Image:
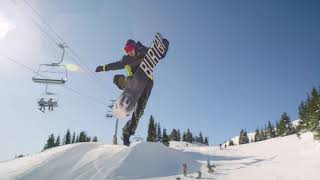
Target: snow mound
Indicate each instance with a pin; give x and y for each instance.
(15, 167)
(101, 161)
(147, 160)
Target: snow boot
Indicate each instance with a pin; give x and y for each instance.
(126, 139)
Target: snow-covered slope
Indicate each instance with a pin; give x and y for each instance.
(283, 158)
(100, 161)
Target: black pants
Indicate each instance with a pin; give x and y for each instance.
(132, 124)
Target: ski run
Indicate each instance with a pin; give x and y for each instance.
(283, 158)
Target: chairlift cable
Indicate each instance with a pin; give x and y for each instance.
(64, 86)
(44, 31)
(18, 63)
(61, 39)
(91, 74)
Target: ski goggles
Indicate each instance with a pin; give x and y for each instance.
(129, 47)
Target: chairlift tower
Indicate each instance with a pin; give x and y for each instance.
(109, 115)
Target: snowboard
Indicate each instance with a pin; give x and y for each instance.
(127, 101)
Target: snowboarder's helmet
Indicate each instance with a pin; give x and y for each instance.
(130, 45)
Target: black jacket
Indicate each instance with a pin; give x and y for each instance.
(130, 63)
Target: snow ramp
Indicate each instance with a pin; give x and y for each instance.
(87, 161)
(147, 160)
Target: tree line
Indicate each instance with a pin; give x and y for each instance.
(53, 141)
(309, 121)
(156, 134)
(309, 113)
(283, 127)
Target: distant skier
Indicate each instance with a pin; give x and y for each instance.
(135, 52)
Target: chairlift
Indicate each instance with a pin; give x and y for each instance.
(53, 73)
(50, 74)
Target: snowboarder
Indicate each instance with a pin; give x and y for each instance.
(135, 52)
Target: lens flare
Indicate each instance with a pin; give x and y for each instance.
(73, 68)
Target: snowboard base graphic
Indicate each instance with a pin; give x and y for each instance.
(127, 101)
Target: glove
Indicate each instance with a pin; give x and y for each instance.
(101, 68)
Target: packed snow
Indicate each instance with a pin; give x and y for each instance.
(283, 158)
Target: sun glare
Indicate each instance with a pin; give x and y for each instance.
(73, 67)
(5, 27)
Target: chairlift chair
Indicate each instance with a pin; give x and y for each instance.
(51, 74)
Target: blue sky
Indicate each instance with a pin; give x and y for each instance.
(232, 65)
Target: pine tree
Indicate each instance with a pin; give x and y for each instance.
(269, 130)
(50, 142)
(266, 131)
(277, 129)
(263, 135)
(273, 132)
(309, 112)
(201, 138)
(231, 143)
(77, 139)
(95, 139)
(178, 135)
(165, 138)
(159, 134)
(245, 138)
(317, 134)
(189, 136)
(68, 137)
(315, 113)
(151, 130)
(302, 125)
(282, 125)
(257, 136)
(206, 141)
(57, 141)
(241, 137)
(173, 135)
(312, 110)
(285, 126)
(73, 138)
(184, 137)
(82, 136)
(88, 139)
